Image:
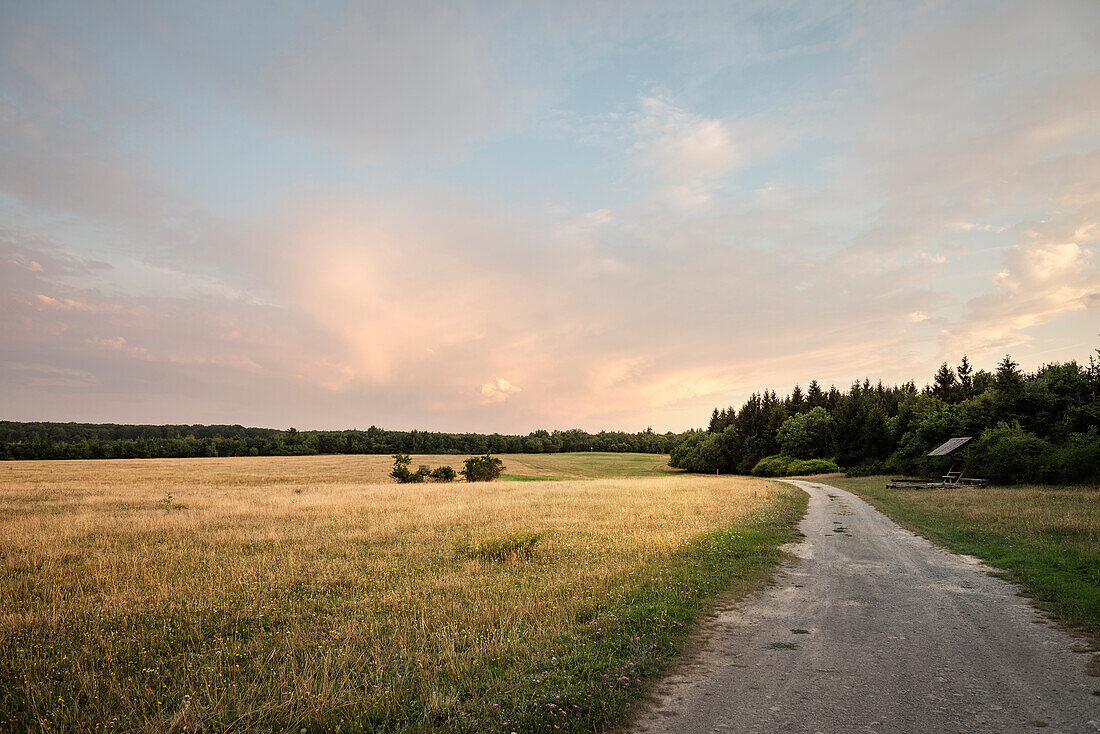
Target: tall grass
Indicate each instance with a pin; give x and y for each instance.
(285, 593)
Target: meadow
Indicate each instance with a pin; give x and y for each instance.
(1045, 539)
(313, 594)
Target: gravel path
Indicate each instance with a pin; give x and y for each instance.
(878, 630)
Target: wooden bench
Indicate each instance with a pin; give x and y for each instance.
(922, 484)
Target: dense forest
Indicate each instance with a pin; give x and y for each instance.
(1042, 426)
(111, 441)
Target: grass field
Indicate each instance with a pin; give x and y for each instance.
(1046, 539)
(304, 594)
(519, 467)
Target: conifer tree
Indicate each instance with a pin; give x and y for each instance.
(966, 380)
(814, 397)
(944, 384)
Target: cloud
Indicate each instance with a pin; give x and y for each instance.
(803, 208)
(1050, 273)
(61, 304)
(689, 384)
(115, 342)
(689, 152)
(57, 131)
(44, 376)
(498, 390)
(683, 145)
(33, 266)
(392, 291)
(385, 77)
(944, 139)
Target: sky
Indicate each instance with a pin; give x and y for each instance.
(504, 216)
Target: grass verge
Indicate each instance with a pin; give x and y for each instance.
(591, 677)
(1044, 539)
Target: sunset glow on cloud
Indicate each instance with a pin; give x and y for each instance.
(499, 217)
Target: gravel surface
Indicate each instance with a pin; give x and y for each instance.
(875, 629)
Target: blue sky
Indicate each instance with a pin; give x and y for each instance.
(500, 216)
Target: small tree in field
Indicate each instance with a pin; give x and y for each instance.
(482, 468)
(401, 470)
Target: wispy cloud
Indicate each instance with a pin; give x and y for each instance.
(405, 215)
(690, 153)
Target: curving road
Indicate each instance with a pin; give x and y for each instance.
(877, 630)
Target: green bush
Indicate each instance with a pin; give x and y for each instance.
(402, 474)
(801, 467)
(1077, 461)
(787, 466)
(1009, 455)
(772, 466)
(482, 468)
(867, 469)
(444, 474)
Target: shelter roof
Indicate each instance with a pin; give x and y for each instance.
(950, 445)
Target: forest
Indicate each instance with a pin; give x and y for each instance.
(1042, 426)
(113, 441)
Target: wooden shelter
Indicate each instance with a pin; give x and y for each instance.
(954, 476)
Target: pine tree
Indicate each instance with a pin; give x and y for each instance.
(944, 384)
(814, 397)
(797, 403)
(1008, 377)
(966, 379)
(1093, 373)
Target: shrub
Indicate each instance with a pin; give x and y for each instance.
(444, 474)
(786, 466)
(867, 469)
(1009, 455)
(801, 467)
(1074, 462)
(402, 474)
(482, 468)
(772, 466)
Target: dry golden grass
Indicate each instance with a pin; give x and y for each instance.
(300, 591)
(583, 465)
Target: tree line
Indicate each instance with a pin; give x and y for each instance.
(1041, 426)
(115, 441)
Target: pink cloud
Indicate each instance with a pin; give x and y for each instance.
(498, 390)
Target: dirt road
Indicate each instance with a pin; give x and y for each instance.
(876, 630)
